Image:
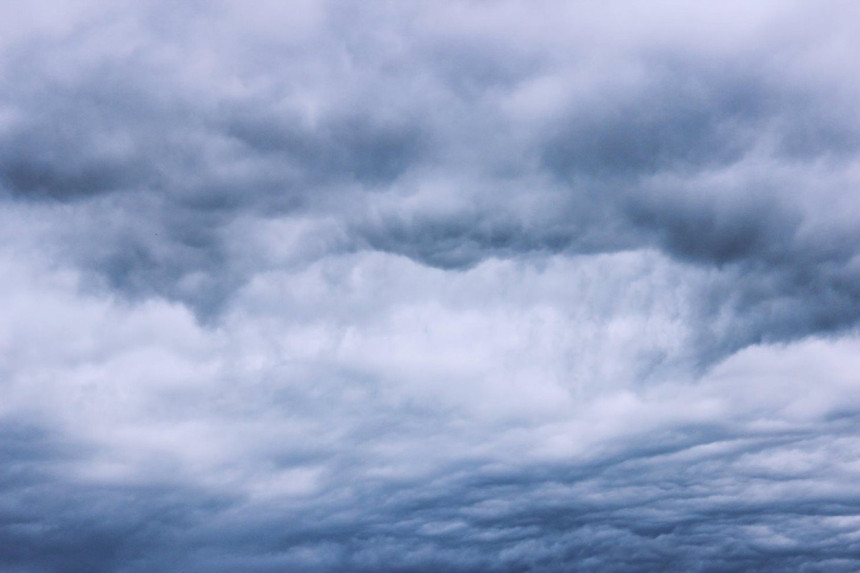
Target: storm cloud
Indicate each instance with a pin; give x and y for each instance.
(466, 286)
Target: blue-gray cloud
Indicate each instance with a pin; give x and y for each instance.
(466, 287)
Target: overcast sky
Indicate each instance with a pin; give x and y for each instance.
(468, 286)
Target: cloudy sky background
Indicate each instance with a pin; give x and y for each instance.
(429, 286)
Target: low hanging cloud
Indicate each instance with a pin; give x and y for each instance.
(462, 287)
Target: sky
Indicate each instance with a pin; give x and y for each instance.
(468, 286)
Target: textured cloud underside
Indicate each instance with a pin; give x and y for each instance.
(468, 286)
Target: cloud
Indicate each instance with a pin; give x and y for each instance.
(473, 287)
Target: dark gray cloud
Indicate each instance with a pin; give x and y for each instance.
(463, 287)
(680, 146)
(703, 499)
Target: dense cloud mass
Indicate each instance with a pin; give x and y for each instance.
(429, 286)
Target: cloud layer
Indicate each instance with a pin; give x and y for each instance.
(418, 287)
